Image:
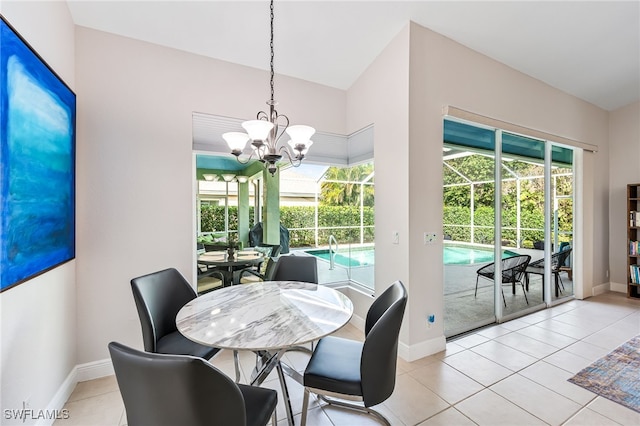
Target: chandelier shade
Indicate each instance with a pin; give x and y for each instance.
(258, 129)
(236, 140)
(265, 131)
(300, 132)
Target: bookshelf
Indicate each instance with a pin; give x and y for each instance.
(633, 236)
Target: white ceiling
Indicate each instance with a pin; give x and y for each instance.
(588, 49)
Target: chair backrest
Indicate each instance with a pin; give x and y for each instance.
(171, 390)
(275, 249)
(159, 296)
(380, 352)
(514, 267)
(296, 268)
(269, 269)
(559, 259)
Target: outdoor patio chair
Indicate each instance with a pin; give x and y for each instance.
(513, 271)
(558, 261)
(250, 275)
(263, 270)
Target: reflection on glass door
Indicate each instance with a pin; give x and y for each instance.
(562, 222)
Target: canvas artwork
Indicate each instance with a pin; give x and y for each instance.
(37, 163)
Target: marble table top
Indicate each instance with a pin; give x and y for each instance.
(264, 316)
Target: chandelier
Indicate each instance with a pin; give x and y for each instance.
(265, 133)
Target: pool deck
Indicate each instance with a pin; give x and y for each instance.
(462, 306)
(360, 274)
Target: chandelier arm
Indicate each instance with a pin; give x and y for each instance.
(286, 125)
(247, 159)
(294, 160)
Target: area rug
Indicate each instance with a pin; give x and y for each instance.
(615, 376)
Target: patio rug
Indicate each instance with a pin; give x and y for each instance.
(615, 376)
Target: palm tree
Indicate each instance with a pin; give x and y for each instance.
(342, 185)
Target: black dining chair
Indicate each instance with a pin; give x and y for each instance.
(296, 268)
(169, 390)
(158, 297)
(359, 371)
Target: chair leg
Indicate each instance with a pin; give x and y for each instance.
(274, 418)
(236, 364)
(476, 293)
(503, 299)
(525, 293)
(367, 410)
(561, 283)
(305, 407)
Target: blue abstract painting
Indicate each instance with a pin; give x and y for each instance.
(37, 163)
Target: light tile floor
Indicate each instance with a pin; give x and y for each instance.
(510, 374)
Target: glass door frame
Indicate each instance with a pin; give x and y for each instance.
(548, 300)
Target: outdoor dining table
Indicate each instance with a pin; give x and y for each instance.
(227, 264)
(268, 318)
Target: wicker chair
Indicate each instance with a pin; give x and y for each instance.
(513, 271)
(558, 260)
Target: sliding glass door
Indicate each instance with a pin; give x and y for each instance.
(469, 169)
(496, 205)
(522, 221)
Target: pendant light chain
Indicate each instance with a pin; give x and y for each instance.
(271, 45)
(265, 131)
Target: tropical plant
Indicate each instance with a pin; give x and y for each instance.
(342, 186)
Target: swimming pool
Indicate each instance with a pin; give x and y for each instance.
(356, 257)
(468, 255)
(453, 255)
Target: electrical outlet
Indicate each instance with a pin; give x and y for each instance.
(431, 319)
(429, 237)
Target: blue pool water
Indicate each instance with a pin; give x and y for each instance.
(360, 257)
(453, 255)
(467, 255)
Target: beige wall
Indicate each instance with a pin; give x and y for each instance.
(135, 196)
(38, 317)
(624, 164)
(135, 174)
(381, 96)
(408, 152)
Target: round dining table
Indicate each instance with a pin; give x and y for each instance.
(267, 318)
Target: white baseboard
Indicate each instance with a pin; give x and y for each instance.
(94, 370)
(620, 288)
(600, 289)
(79, 373)
(429, 347)
(60, 398)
